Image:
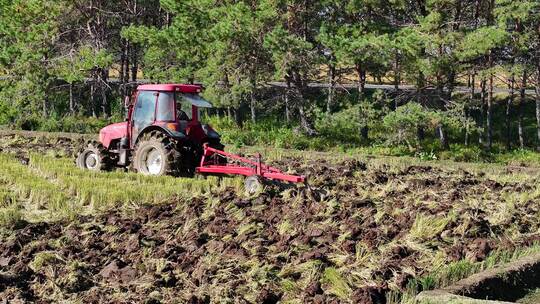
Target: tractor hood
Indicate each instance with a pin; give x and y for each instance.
(112, 132)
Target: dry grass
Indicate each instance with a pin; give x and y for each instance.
(50, 188)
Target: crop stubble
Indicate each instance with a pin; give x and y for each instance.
(365, 229)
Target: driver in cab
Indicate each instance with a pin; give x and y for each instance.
(180, 114)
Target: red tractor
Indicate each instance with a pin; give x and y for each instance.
(162, 135)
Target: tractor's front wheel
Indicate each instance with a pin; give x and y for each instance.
(155, 155)
(94, 158)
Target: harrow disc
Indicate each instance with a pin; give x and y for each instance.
(253, 184)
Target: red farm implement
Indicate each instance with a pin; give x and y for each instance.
(254, 170)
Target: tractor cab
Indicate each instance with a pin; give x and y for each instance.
(172, 108)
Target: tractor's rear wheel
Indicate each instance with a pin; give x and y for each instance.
(156, 154)
(94, 158)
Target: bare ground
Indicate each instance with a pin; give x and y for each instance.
(364, 229)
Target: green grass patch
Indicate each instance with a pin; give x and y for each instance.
(337, 285)
(451, 273)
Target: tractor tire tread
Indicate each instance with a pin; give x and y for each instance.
(105, 163)
(166, 143)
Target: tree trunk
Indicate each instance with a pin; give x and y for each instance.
(46, 85)
(440, 127)
(287, 108)
(477, 7)
(361, 81)
(489, 118)
(397, 78)
(135, 66)
(104, 101)
(364, 130)
(287, 97)
(509, 104)
(122, 62)
(331, 88)
(522, 99)
(80, 99)
(238, 117)
(538, 103)
(304, 121)
(71, 100)
(128, 53)
(397, 73)
(538, 86)
(443, 137)
(45, 105)
(420, 134)
(467, 130)
(420, 83)
(451, 85)
(483, 84)
(121, 75)
(472, 85)
(93, 98)
(301, 87)
(252, 104)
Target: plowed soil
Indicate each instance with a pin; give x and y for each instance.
(377, 226)
(24, 142)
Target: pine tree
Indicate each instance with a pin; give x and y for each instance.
(294, 48)
(28, 31)
(522, 24)
(366, 46)
(176, 50)
(330, 43)
(238, 64)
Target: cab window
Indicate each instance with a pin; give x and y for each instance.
(165, 109)
(144, 111)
